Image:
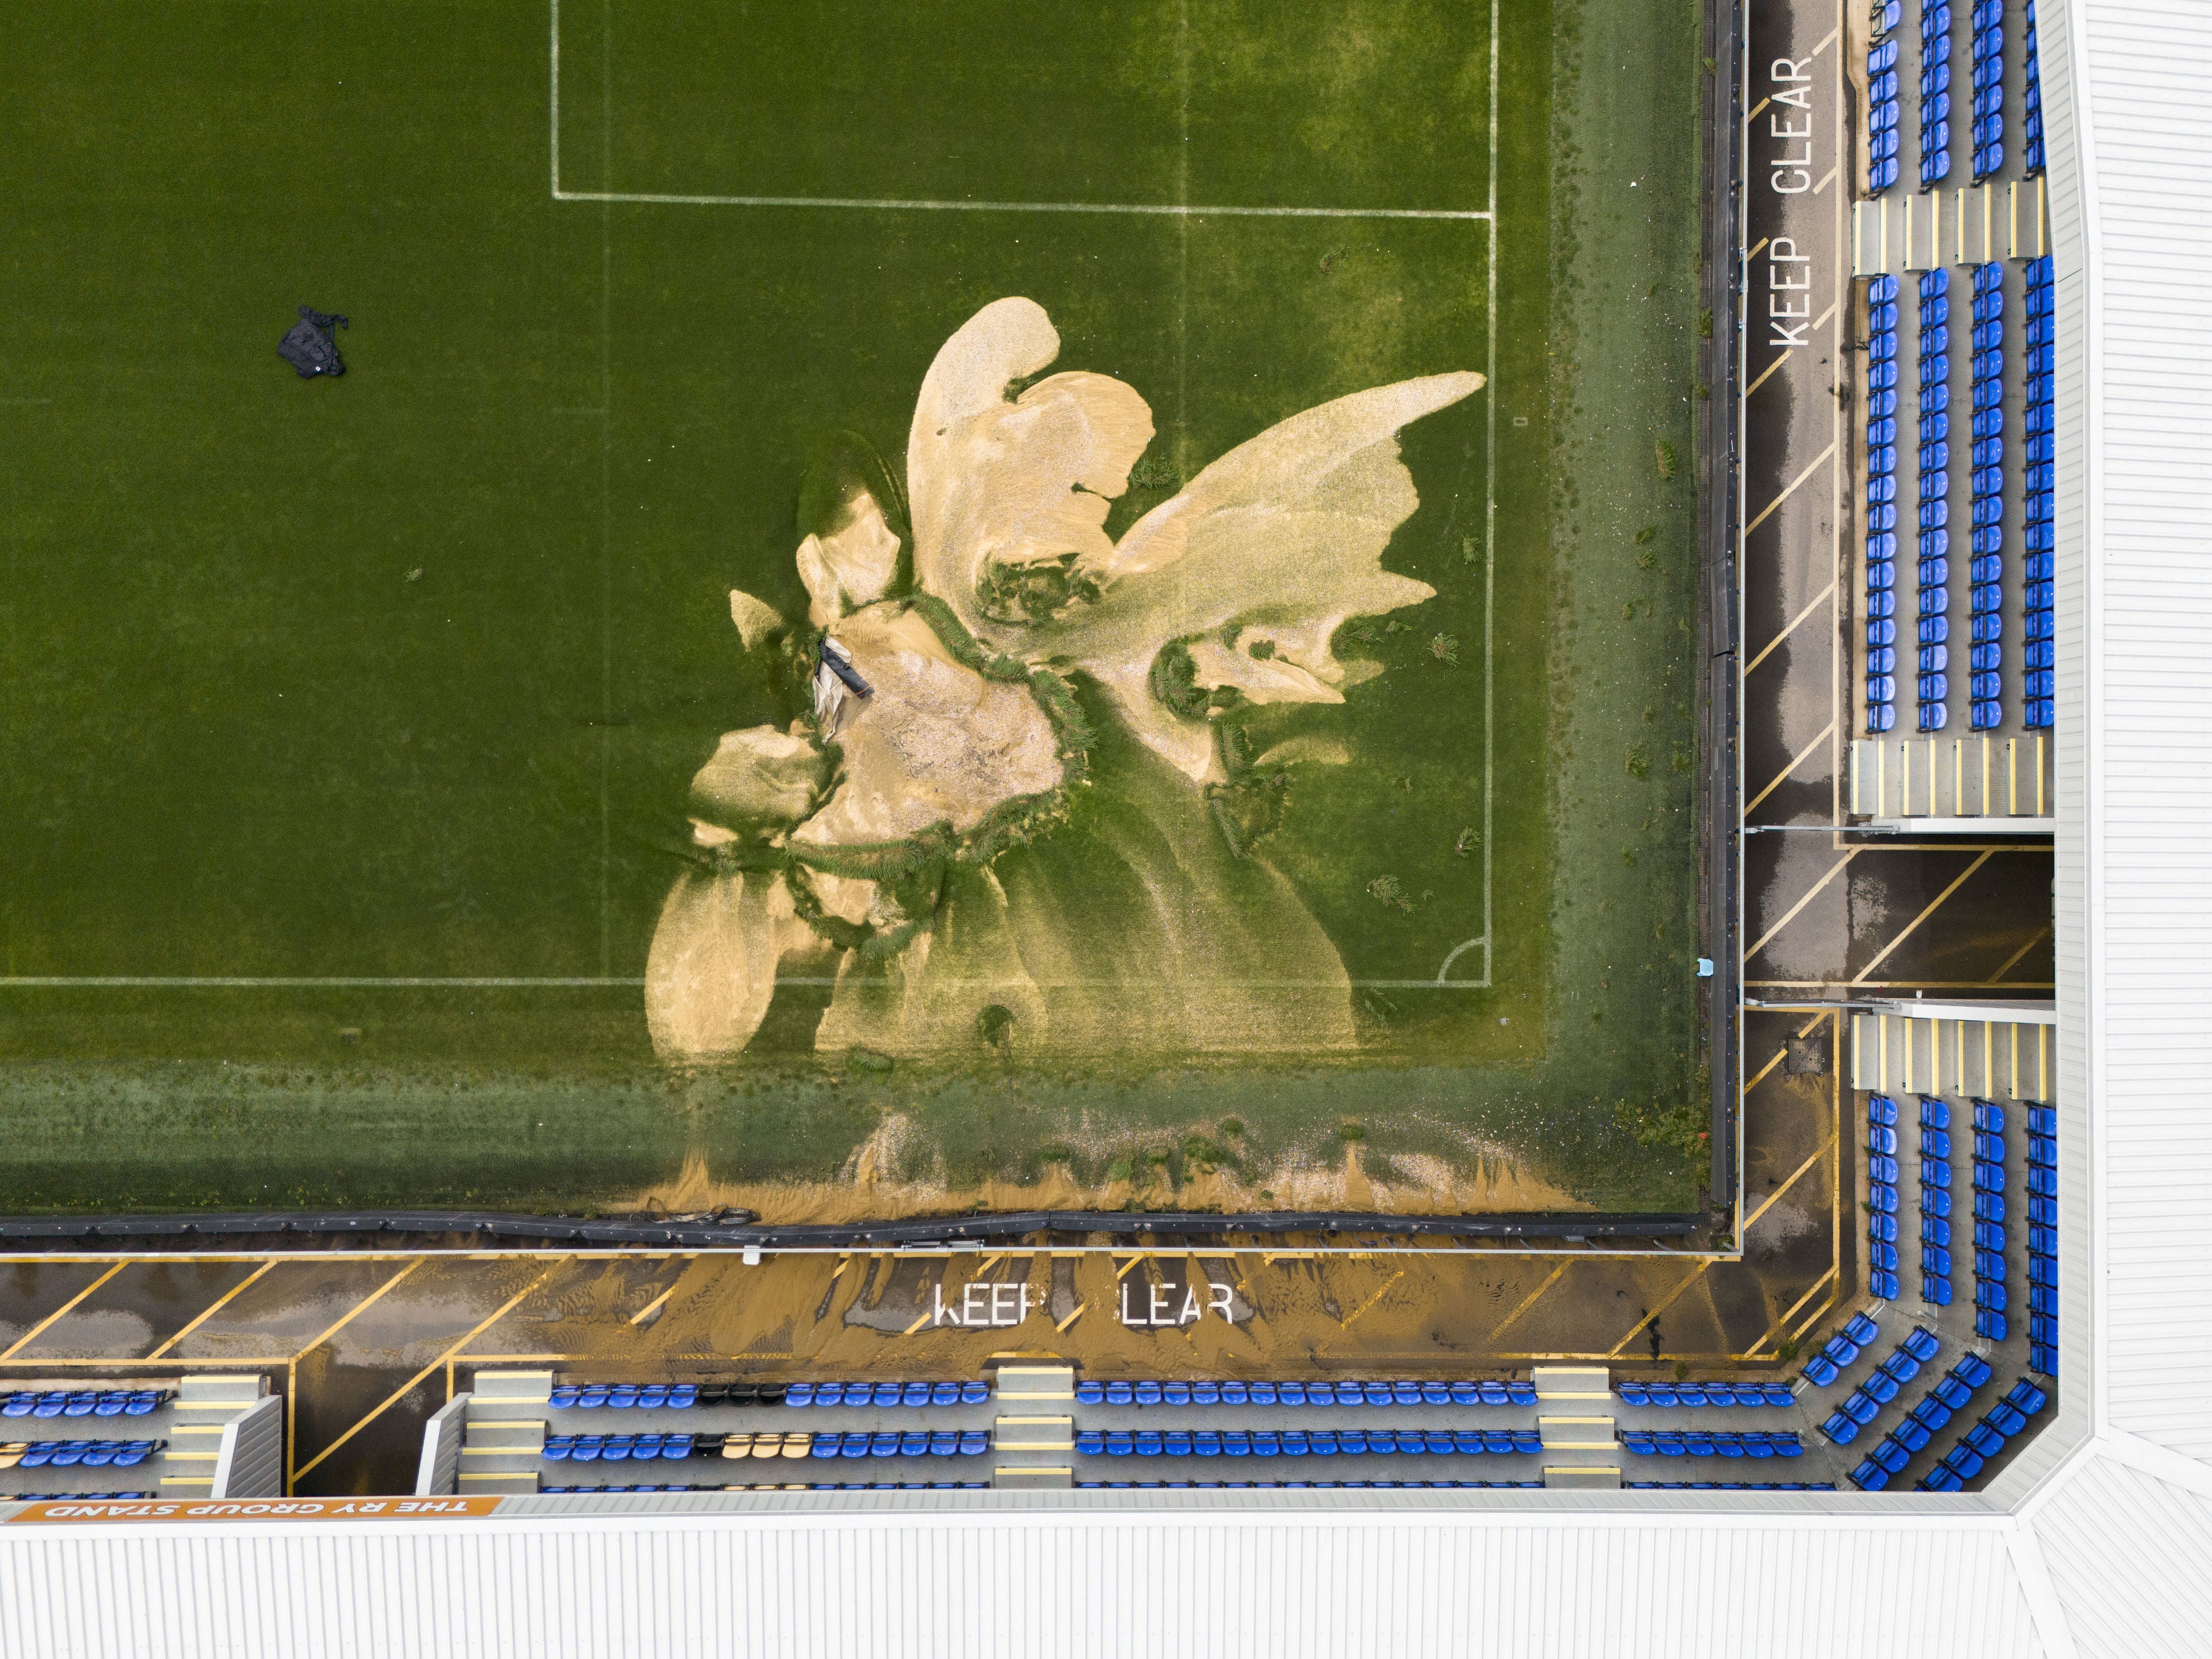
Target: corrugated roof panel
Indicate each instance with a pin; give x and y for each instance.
(2148, 133)
(2126, 1552)
(1548, 1587)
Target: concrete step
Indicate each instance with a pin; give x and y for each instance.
(1578, 1433)
(1032, 1479)
(513, 1388)
(1598, 1478)
(1037, 1383)
(234, 1389)
(497, 1485)
(1572, 1383)
(505, 1434)
(1034, 1434)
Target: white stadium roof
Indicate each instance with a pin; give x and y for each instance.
(2098, 1539)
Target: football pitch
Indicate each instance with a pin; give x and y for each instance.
(1263, 772)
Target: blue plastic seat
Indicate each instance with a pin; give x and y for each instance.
(1148, 1443)
(1862, 1407)
(1881, 1388)
(1777, 1394)
(622, 1396)
(1120, 1442)
(1868, 1476)
(974, 1441)
(1820, 1370)
(2005, 1420)
(1935, 1201)
(1971, 1370)
(1121, 1394)
(2026, 1397)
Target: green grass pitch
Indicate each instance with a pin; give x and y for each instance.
(349, 723)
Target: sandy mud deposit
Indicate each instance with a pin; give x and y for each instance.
(1012, 817)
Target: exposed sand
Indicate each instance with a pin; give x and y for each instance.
(870, 1190)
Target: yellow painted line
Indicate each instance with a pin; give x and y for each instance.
(1072, 1317)
(361, 1307)
(1827, 40)
(1345, 1323)
(1753, 1351)
(31, 1335)
(125, 1365)
(916, 1325)
(2013, 961)
(211, 1311)
(1779, 1055)
(1822, 185)
(1766, 511)
(1528, 1301)
(1783, 777)
(843, 1262)
(652, 1307)
(1767, 938)
(1819, 599)
(1785, 1185)
(402, 1391)
(1757, 110)
(1867, 973)
(1762, 381)
(1695, 1274)
(1123, 1271)
(1814, 1317)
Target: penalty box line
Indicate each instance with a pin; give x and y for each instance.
(1168, 209)
(1486, 216)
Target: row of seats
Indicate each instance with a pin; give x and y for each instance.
(2031, 126)
(1988, 87)
(1841, 1350)
(2039, 343)
(1935, 1229)
(1986, 573)
(1706, 1393)
(888, 1394)
(1881, 1199)
(64, 1454)
(2043, 1244)
(70, 1496)
(1990, 1297)
(1882, 111)
(1986, 1438)
(1721, 1443)
(802, 1485)
(624, 1396)
(1932, 686)
(1934, 94)
(84, 1402)
(1881, 521)
(1403, 1393)
(1881, 539)
(1864, 1403)
(1310, 1486)
(1300, 1442)
(1944, 1401)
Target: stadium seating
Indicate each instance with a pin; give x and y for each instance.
(1920, 1345)
(1988, 107)
(2038, 646)
(2031, 126)
(1708, 1393)
(85, 1403)
(2043, 1240)
(1841, 1352)
(1309, 1486)
(1934, 1181)
(1935, 94)
(1304, 1442)
(73, 1454)
(1880, 462)
(1986, 1438)
(1986, 535)
(1486, 1392)
(1725, 1485)
(1990, 1297)
(1882, 1174)
(1883, 106)
(1720, 1443)
(1932, 536)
